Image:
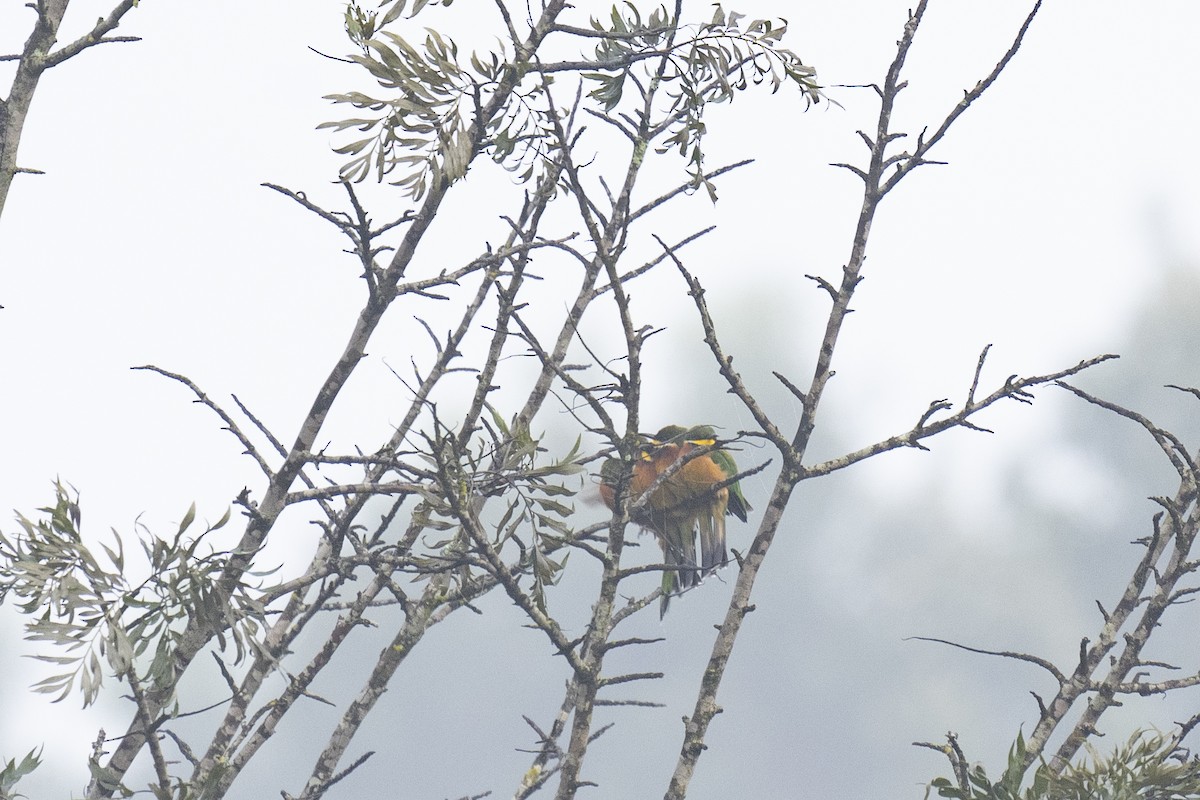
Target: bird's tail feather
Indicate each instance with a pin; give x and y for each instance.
(678, 540)
(712, 543)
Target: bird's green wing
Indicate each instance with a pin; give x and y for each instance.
(738, 506)
(701, 435)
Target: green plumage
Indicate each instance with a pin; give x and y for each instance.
(690, 498)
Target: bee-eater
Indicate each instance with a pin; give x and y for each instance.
(684, 500)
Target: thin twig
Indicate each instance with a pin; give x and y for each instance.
(1041, 662)
(205, 400)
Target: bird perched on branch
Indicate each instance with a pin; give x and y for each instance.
(687, 471)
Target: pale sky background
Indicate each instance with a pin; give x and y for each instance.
(1063, 227)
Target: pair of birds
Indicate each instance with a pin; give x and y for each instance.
(688, 497)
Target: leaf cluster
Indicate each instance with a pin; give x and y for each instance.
(91, 615)
(1149, 766)
(361, 24)
(713, 62)
(435, 114)
(13, 771)
(420, 127)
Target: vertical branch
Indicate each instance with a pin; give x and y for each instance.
(873, 193)
(706, 708)
(15, 108)
(149, 731)
(296, 688)
(526, 229)
(608, 247)
(37, 57)
(875, 188)
(218, 761)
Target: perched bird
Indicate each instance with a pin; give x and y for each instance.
(684, 501)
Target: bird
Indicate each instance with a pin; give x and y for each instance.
(683, 501)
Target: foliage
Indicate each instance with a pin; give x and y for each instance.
(422, 127)
(85, 607)
(713, 61)
(437, 113)
(14, 771)
(1149, 766)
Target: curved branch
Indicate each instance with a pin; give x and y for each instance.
(1041, 662)
(1170, 444)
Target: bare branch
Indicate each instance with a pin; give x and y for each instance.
(682, 188)
(95, 36)
(279, 448)
(338, 219)
(969, 97)
(1186, 389)
(724, 362)
(1146, 688)
(975, 380)
(874, 190)
(340, 490)
(1013, 389)
(205, 400)
(824, 284)
(1041, 662)
(958, 761)
(1174, 449)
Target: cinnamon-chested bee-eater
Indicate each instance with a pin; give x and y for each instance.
(684, 500)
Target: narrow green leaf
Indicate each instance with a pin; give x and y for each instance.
(188, 518)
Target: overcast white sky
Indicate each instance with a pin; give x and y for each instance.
(1066, 218)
